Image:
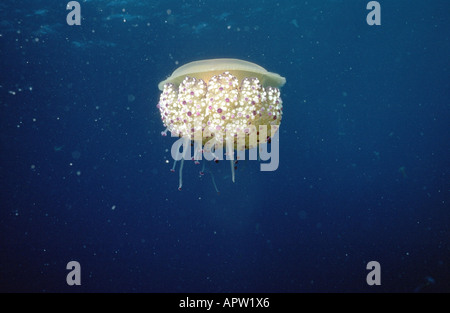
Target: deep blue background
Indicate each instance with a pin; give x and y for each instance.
(364, 160)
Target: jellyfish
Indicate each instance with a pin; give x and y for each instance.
(402, 170)
(213, 103)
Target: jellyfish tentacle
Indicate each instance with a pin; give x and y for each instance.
(173, 166)
(197, 155)
(164, 132)
(202, 172)
(175, 162)
(232, 170)
(185, 150)
(180, 184)
(214, 182)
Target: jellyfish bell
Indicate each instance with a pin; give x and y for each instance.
(220, 102)
(206, 69)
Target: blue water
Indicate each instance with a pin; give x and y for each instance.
(364, 149)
